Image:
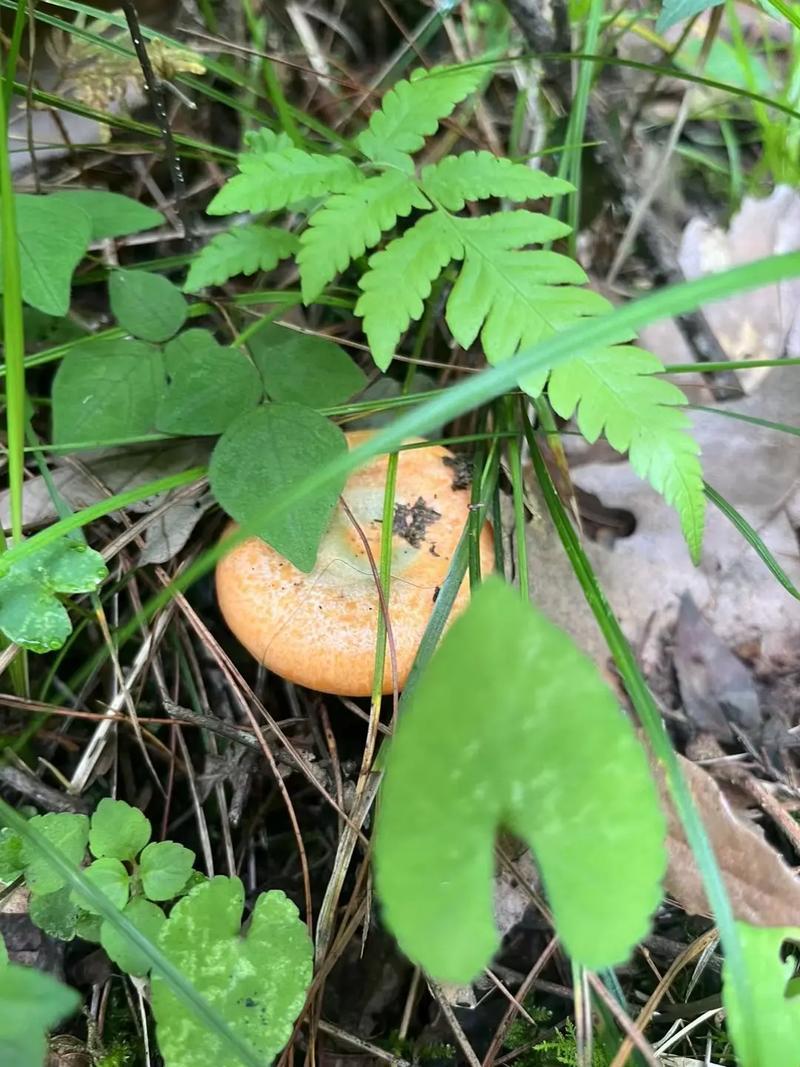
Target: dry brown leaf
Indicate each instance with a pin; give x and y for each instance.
(762, 889)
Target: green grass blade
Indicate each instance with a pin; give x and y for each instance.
(767, 424)
(753, 539)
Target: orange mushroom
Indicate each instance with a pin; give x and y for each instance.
(319, 629)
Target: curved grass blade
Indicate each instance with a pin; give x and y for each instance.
(753, 539)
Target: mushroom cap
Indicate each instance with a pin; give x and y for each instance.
(320, 629)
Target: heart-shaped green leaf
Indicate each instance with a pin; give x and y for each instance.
(297, 441)
(69, 834)
(207, 385)
(106, 391)
(118, 830)
(257, 982)
(511, 726)
(766, 1031)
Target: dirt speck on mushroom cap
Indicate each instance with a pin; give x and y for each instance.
(319, 629)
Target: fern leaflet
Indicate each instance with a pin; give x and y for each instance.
(478, 175)
(399, 281)
(243, 250)
(412, 111)
(615, 391)
(350, 223)
(268, 181)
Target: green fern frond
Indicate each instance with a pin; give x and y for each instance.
(412, 111)
(283, 178)
(264, 140)
(616, 392)
(399, 281)
(478, 175)
(243, 250)
(512, 297)
(350, 223)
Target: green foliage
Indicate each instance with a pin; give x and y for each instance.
(257, 981)
(674, 11)
(297, 440)
(164, 868)
(107, 390)
(112, 878)
(66, 832)
(55, 913)
(147, 305)
(30, 1004)
(282, 178)
(207, 385)
(347, 224)
(299, 368)
(53, 236)
(548, 754)
(148, 918)
(117, 830)
(31, 613)
(243, 250)
(12, 863)
(504, 292)
(412, 110)
(766, 1031)
(110, 214)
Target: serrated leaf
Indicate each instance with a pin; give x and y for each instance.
(69, 834)
(207, 385)
(118, 830)
(412, 111)
(766, 1031)
(243, 250)
(297, 367)
(110, 214)
(148, 919)
(257, 981)
(147, 305)
(511, 726)
(349, 223)
(55, 914)
(274, 180)
(31, 1002)
(164, 869)
(106, 391)
(298, 441)
(511, 297)
(674, 11)
(478, 175)
(12, 863)
(399, 280)
(53, 237)
(615, 391)
(264, 140)
(110, 877)
(30, 614)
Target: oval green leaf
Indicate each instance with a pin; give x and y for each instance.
(147, 305)
(164, 869)
(118, 830)
(111, 214)
(511, 726)
(297, 441)
(302, 369)
(148, 919)
(110, 876)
